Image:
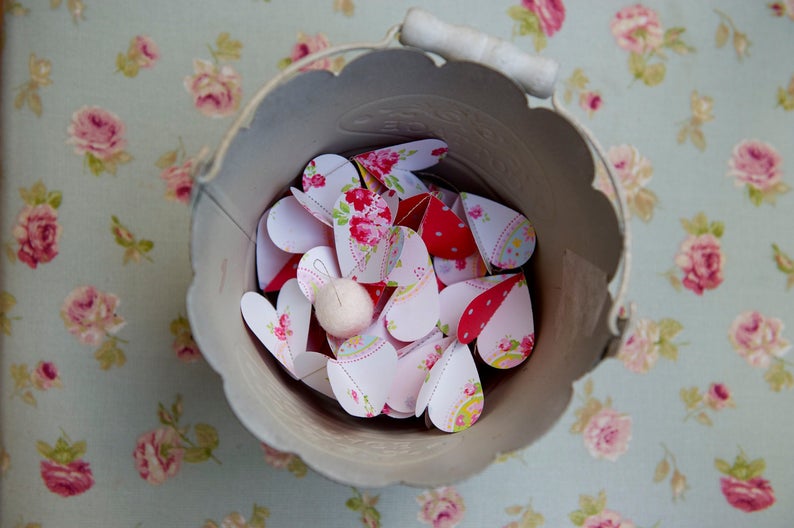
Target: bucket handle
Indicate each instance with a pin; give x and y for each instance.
(536, 75)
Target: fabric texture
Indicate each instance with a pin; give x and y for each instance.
(109, 415)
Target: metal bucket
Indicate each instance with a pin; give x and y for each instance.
(534, 160)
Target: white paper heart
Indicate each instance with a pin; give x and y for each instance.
(362, 374)
(262, 318)
(270, 259)
(293, 229)
(451, 271)
(414, 364)
(316, 269)
(413, 310)
(455, 298)
(452, 392)
(324, 179)
(505, 238)
(506, 337)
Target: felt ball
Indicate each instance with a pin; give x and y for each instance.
(343, 308)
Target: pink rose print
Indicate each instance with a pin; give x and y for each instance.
(634, 172)
(590, 102)
(186, 351)
(216, 91)
(607, 434)
(718, 396)
(441, 508)
(755, 163)
(141, 53)
(359, 198)
(314, 180)
(784, 8)
(308, 44)
(550, 13)
(537, 18)
(368, 230)
(67, 480)
(97, 132)
(178, 181)
(743, 485)
(282, 330)
(440, 152)
(380, 162)
(184, 346)
(37, 232)
(607, 519)
(158, 455)
(90, 314)
(637, 29)
(63, 469)
(354, 395)
(144, 50)
(633, 169)
(476, 212)
(527, 344)
(505, 344)
(431, 359)
(715, 398)
(757, 166)
(45, 375)
(757, 338)
(640, 351)
(749, 496)
(592, 513)
(701, 260)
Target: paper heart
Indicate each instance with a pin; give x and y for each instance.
(451, 271)
(274, 267)
(455, 298)
(392, 166)
(293, 229)
(361, 228)
(315, 269)
(482, 310)
(505, 337)
(452, 392)
(379, 327)
(445, 234)
(362, 374)
(283, 330)
(319, 381)
(505, 238)
(413, 309)
(413, 365)
(324, 179)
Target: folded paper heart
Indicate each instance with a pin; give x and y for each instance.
(408, 271)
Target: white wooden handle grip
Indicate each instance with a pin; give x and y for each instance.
(537, 75)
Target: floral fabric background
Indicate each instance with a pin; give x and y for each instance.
(109, 414)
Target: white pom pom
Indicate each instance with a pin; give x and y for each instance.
(343, 308)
